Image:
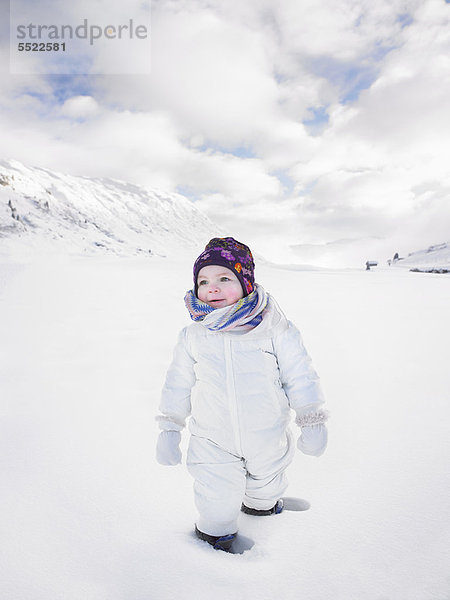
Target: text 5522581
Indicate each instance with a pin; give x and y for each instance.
(41, 47)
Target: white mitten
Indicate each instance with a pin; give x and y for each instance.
(313, 439)
(168, 448)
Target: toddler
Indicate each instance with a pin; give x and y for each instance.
(237, 371)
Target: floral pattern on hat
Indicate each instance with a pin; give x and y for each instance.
(231, 254)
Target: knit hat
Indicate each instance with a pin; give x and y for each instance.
(233, 255)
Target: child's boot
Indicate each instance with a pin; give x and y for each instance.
(223, 542)
(276, 509)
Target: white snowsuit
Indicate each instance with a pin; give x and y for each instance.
(238, 389)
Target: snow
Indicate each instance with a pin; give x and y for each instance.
(43, 211)
(82, 215)
(86, 512)
(433, 257)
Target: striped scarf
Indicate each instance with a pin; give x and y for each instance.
(244, 314)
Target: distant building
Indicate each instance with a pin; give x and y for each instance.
(371, 263)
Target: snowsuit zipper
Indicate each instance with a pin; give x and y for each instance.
(231, 395)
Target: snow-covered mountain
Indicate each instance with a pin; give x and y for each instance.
(435, 257)
(42, 209)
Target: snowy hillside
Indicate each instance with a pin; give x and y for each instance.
(40, 208)
(433, 258)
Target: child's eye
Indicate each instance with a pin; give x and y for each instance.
(202, 282)
(225, 279)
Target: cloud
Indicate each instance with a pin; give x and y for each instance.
(310, 122)
(80, 107)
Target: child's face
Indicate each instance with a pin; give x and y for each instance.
(218, 286)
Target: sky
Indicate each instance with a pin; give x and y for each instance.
(316, 131)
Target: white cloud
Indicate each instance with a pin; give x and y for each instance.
(80, 107)
(221, 116)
